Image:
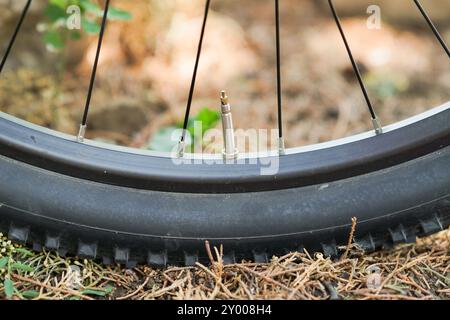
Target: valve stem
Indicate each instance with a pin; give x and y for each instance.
(230, 151)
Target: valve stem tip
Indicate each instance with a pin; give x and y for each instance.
(223, 97)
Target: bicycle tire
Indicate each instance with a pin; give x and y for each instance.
(128, 208)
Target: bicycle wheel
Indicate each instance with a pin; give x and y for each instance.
(129, 206)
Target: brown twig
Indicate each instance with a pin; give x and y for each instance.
(142, 286)
(208, 251)
(350, 238)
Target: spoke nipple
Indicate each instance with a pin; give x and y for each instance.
(230, 151)
(81, 133)
(181, 149)
(281, 147)
(377, 125)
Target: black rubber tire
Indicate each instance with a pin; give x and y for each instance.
(45, 202)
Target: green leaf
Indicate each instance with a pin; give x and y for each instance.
(30, 294)
(108, 289)
(118, 14)
(54, 39)
(55, 12)
(75, 35)
(208, 119)
(98, 292)
(9, 288)
(3, 262)
(95, 292)
(24, 252)
(90, 7)
(113, 13)
(90, 27)
(162, 140)
(59, 3)
(21, 267)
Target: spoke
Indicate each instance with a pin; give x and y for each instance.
(375, 120)
(16, 32)
(94, 72)
(433, 27)
(181, 144)
(279, 93)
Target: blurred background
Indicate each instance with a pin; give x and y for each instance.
(148, 56)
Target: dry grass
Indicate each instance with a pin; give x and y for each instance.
(408, 272)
